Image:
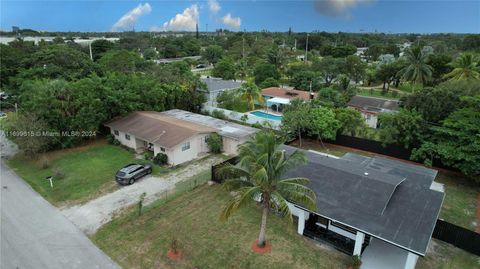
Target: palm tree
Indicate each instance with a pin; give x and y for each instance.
(251, 93)
(259, 175)
(465, 67)
(416, 69)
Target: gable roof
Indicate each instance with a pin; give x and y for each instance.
(387, 199)
(157, 128)
(374, 104)
(286, 93)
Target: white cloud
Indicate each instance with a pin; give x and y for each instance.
(185, 21)
(337, 8)
(230, 21)
(214, 6)
(128, 21)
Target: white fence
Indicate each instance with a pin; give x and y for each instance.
(251, 119)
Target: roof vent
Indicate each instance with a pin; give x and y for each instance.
(366, 173)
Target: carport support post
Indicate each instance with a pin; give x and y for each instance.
(302, 215)
(358, 243)
(411, 261)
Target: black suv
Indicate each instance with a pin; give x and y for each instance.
(132, 172)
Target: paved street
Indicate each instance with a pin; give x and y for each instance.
(34, 234)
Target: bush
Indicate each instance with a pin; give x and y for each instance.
(116, 142)
(215, 143)
(356, 262)
(219, 114)
(148, 155)
(160, 159)
(110, 139)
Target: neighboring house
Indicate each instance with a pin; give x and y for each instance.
(215, 86)
(276, 98)
(232, 134)
(380, 209)
(370, 107)
(180, 139)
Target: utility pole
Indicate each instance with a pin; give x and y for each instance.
(295, 46)
(243, 48)
(90, 48)
(306, 49)
(196, 30)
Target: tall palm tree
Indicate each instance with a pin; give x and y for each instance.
(466, 66)
(251, 93)
(260, 175)
(416, 69)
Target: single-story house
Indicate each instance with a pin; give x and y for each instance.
(276, 98)
(370, 107)
(179, 134)
(215, 86)
(380, 209)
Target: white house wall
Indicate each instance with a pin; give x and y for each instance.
(370, 119)
(197, 146)
(128, 143)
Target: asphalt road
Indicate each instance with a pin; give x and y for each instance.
(34, 234)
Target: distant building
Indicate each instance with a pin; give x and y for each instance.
(276, 98)
(370, 107)
(215, 86)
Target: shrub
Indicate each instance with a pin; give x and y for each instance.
(215, 143)
(356, 262)
(160, 159)
(244, 118)
(110, 139)
(219, 114)
(148, 155)
(116, 142)
(257, 125)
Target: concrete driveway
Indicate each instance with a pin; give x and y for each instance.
(34, 234)
(92, 215)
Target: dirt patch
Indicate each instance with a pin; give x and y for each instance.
(261, 250)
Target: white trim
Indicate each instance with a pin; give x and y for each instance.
(372, 235)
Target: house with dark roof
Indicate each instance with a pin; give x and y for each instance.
(370, 107)
(380, 209)
(179, 134)
(215, 86)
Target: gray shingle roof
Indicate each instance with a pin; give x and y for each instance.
(392, 202)
(218, 84)
(373, 103)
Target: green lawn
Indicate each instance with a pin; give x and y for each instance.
(459, 206)
(205, 241)
(445, 256)
(88, 171)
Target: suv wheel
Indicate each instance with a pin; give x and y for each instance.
(131, 181)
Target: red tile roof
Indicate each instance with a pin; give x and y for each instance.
(285, 93)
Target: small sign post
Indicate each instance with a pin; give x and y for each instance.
(50, 178)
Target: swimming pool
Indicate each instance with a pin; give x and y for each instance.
(266, 115)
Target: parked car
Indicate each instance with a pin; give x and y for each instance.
(132, 172)
(3, 114)
(201, 66)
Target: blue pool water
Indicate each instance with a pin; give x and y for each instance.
(266, 115)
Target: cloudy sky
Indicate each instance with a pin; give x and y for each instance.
(395, 16)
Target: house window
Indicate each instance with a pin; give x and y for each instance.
(127, 136)
(369, 116)
(162, 149)
(115, 132)
(186, 146)
(206, 139)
